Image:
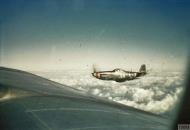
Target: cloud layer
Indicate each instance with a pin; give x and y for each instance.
(156, 92)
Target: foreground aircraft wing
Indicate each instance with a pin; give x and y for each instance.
(30, 102)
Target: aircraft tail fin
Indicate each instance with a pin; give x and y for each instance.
(142, 69)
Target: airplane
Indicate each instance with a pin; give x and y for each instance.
(31, 102)
(120, 75)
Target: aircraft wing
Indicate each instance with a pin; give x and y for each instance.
(30, 102)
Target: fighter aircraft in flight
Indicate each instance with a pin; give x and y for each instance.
(120, 75)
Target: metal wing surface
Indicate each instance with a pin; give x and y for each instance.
(30, 102)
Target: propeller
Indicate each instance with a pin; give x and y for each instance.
(94, 68)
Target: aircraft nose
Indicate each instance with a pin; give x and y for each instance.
(94, 74)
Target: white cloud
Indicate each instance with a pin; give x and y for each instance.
(156, 92)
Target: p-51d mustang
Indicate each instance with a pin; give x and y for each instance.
(119, 75)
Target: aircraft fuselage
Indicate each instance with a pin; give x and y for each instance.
(119, 75)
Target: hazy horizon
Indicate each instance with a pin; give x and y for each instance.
(75, 34)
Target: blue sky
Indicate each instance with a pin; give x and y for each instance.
(55, 34)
